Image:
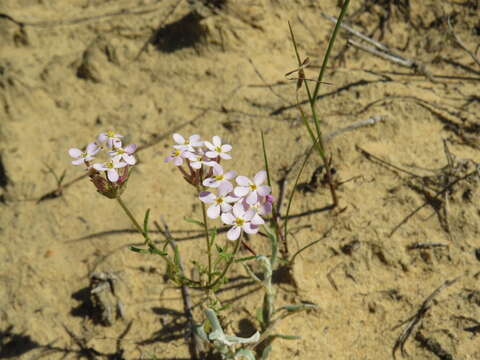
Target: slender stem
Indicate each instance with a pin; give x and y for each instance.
(207, 236)
(230, 261)
(134, 221)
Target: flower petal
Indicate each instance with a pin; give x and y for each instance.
(212, 154)
(226, 207)
(230, 175)
(102, 138)
(257, 220)
(260, 177)
(78, 162)
(217, 169)
(195, 140)
(207, 197)
(217, 141)
(112, 175)
(224, 188)
(228, 218)
(234, 233)
(243, 181)
(213, 211)
(225, 156)
(241, 191)
(263, 190)
(226, 147)
(250, 228)
(211, 182)
(209, 145)
(177, 161)
(75, 153)
(179, 139)
(130, 159)
(92, 148)
(131, 148)
(99, 167)
(238, 210)
(249, 214)
(252, 198)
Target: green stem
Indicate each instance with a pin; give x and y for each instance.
(230, 261)
(207, 236)
(133, 220)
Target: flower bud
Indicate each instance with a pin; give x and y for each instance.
(111, 190)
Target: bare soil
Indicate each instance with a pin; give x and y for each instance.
(72, 69)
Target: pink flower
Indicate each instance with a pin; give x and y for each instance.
(124, 154)
(188, 145)
(195, 159)
(221, 202)
(262, 207)
(110, 139)
(252, 189)
(217, 149)
(111, 168)
(240, 220)
(82, 156)
(177, 157)
(219, 177)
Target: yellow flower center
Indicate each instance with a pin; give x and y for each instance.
(239, 222)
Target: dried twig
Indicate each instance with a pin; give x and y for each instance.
(462, 44)
(383, 51)
(415, 319)
(194, 345)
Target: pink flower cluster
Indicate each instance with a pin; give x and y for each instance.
(241, 206)
(119, 157)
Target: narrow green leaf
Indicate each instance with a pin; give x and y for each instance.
(145, 221)
(193, 221)
(138, 250)
(247, 258)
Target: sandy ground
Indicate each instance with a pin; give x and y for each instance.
(72, 69)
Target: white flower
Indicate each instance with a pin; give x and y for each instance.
(195, 159)
(187, 145)
(110, 139)
(252, 189)
(124, 154)
(221, 201)
(177, 157)
(219, 177)
(111, 168)
(217, 149)
(82, 156)
(240, 219)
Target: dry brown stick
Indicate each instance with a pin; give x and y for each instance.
(357, 33)
(384, 55)
(194, 345)
(415, 319)
(462, 44)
